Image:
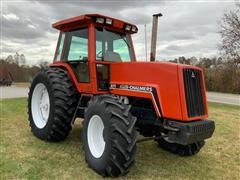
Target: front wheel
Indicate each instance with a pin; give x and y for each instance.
(182, 150)
(109, 136)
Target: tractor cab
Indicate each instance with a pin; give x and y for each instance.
(89, 43)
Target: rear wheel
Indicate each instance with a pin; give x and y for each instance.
(182, 150)
(109, 136)
(51, 104)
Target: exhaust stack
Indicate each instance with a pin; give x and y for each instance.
(154, 36)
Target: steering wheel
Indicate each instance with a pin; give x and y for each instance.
(100, 56)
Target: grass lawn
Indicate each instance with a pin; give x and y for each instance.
(23, 156)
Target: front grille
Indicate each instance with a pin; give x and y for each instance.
(193, 92)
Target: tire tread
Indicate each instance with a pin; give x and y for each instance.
(182, 150)
(64, 97)
(123, 135)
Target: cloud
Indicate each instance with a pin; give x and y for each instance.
(10, 17)
(173, 48)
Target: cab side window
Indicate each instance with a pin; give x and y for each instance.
(76, 53)
(119, 46)
(60, 47)
(77, 48)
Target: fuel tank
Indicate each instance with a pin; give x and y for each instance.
(177, 91)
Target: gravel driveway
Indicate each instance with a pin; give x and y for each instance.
(13, 92)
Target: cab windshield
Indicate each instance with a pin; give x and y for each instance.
(113, 46)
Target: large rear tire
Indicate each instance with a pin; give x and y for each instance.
(51, 104)
(182, 150)
(109, 136)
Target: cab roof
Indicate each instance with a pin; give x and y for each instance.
(84, 19)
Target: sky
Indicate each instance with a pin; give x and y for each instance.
(187, 28)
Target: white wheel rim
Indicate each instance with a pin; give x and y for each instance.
(95, 138)
(40, 105)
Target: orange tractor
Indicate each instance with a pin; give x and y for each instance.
(95, 76)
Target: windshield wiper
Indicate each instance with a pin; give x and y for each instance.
(123, 37)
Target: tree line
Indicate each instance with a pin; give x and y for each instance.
(15, 66)
(220, 75)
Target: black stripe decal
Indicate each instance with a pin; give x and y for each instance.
(147, 89)
(155, 95)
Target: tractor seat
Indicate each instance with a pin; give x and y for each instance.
(112, 56)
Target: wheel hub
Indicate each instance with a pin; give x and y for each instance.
(44, 104)
(40, 105)
(95, 137)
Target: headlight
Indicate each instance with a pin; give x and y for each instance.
(100, 20)
(127, 27)
(109, 21)
(134, 29)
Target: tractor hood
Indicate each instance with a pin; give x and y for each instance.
(161, 81)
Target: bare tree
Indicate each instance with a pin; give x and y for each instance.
(230, 34)
(22, 61)
(43, 64)
(16, 58)
(10, 59)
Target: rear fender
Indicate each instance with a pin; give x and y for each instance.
(70, 72)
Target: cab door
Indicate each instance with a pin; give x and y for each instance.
(110, 47)
(76, 55)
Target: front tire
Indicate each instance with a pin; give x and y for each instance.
(51, 104)
(109, 136)
(182, 150)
